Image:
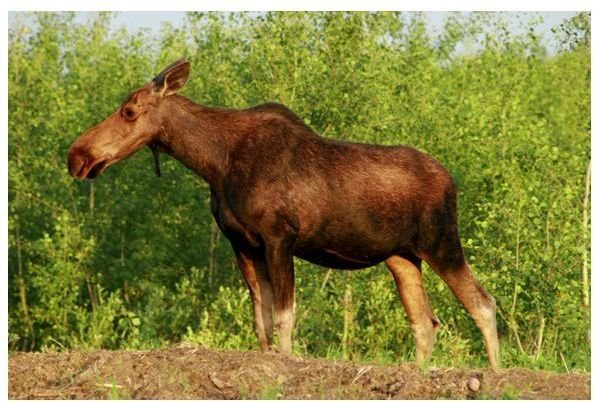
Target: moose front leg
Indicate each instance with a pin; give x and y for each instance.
(281, 270)
(255, 273)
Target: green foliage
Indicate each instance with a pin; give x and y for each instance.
(232, 311)
(272, 392)
(509, 392)
(133, 261)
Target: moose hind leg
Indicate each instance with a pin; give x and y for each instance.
(407, 273)
(260, 289)
(476, 300)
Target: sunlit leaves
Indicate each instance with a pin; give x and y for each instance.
(136, 261)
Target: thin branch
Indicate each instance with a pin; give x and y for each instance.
(585, 235)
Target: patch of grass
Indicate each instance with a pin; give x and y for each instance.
(177, 377)
(272, 392)
(510, 392)
(339, 392)
(243, 391)
(484, 396)
(114, 392)
(117, 392)
(184, 384)
(321, 388)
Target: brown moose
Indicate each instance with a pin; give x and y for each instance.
(279, 190)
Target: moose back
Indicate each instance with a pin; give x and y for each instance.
(280, 190)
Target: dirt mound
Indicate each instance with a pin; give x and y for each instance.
(200, 373)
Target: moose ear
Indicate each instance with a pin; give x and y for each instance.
(172, 78)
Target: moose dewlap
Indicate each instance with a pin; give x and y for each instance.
(279, 190)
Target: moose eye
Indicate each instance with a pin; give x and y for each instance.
(129, 114)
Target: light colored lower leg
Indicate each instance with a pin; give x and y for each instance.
(482, 307)
(424, 323)
(284, 319)
(424, 336)
(485, 318)
(479, 304)
(267, 311)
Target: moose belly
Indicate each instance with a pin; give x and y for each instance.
(350, 244)
(339, 259)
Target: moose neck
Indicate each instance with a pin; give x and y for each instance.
(197, 136)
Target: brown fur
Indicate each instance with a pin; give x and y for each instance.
(279, 190)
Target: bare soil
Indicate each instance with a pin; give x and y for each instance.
(201, 373)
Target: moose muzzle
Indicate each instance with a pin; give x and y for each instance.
(83, 166)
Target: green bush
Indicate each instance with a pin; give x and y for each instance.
(227, 322)
(134, 261)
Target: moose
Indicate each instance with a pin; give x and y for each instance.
(279, 190)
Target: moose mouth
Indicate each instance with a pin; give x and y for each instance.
(97, 169)
(91, 169)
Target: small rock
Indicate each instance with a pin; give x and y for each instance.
(473, 384)
(395, 387)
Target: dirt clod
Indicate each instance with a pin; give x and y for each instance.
(201, 373)
(220, 384)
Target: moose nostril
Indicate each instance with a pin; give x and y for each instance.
(76, 163)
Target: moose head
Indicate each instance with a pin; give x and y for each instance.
(136, 123)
